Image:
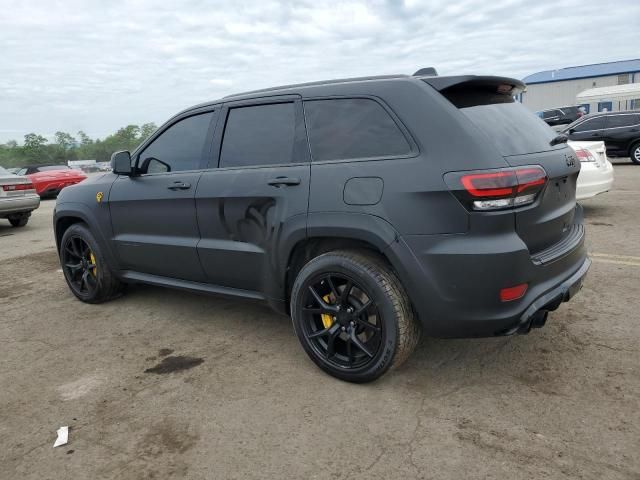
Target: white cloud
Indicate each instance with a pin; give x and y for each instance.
(74, 64)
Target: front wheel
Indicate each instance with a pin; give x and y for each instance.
(634, 154)
(352, 316)
(85, 268)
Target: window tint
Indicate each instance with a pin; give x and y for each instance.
(52, 168)
(259, 135)
(180, 147)
(591, 124)
(615, 121)
(512, 128)
(352, 128)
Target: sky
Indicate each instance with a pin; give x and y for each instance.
(99, 65)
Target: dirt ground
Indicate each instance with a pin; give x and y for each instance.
(162, 384)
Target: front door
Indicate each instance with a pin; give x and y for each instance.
(153, 213)
(590, 129)
(256, 202)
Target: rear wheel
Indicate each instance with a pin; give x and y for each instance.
(19, 220)
(352, 315)
(634, 153)
(85, 268)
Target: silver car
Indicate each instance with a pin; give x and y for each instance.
(18, 198)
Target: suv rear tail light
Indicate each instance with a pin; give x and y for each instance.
(584, 155)
(18, 186)
(498, 189)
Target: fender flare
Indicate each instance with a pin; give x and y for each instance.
(83, 212)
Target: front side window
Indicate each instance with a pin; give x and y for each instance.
(349, 128)
(259, 135)
(590, 124)
(180, 147)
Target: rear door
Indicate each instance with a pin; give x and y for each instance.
(619, 130)
(253, 199)
(153, 214)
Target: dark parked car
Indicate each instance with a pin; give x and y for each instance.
(367, 209)
(620, 132)
(560, 116)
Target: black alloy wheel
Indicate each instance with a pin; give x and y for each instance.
(341, 321)
(79, 264)
(352, 315)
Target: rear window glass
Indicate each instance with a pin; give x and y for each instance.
(512, 128)
(4, 172)
(350, 128)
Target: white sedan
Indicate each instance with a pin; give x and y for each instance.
(596, 172)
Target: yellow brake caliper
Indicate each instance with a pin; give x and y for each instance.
(327, 320)
(93, 261)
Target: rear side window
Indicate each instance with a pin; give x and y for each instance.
(259, 135)
(179, 147)
(350, 128)
(614, 121)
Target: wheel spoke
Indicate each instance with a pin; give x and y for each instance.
(91, 281)
(333, 333)
(323, 305)
(73, 266)
(346, 291)
(334, 290)
(369, 325)
(349, 351)
(363, 308)
(83, 281)
(358, 343)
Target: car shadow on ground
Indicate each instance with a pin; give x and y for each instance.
(444, 364)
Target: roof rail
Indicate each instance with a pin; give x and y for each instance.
(312, 84)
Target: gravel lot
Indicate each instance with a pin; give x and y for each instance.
(561, 402)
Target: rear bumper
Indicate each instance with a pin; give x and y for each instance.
(23, 204)
(594, 180)
(454, 281)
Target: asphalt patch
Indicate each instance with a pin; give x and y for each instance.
(175, 364)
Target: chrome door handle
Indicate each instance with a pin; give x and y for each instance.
(179, 186)
(287, 181)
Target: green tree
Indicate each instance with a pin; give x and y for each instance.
(146, 130)
(84, 138)
(65, 141)
(34, 147)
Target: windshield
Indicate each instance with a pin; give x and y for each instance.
(48, 168)
(512, 128)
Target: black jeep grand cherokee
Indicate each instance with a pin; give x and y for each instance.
(368, 209)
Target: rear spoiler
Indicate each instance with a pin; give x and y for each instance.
(473, 81)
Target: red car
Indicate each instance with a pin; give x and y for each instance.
(50, 179)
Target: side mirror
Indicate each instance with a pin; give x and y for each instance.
(121, 163)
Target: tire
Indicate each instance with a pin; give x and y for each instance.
(99, 284)
(634, 153)
(19, 220)
(387, 329)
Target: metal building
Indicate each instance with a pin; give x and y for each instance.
(558, 88)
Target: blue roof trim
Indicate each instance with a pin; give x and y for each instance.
(584, 71)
